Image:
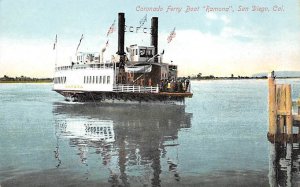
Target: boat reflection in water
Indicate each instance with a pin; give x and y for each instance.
(84, 133)
(131, 139)
(284, 164)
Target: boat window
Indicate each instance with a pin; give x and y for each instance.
(136, 52)
(96, 79)
(90, 81)
(108, 79)
(93, 79)
(100, 79)
(84, 80)
(142, 52)
(104, 79)
(149, 53)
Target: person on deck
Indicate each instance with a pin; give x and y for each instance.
(169, 86)
(187, 85)
(161, 86)
(149, 82)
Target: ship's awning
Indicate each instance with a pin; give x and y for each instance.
(138, 69)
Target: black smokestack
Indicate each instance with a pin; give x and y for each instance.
(121, 33)
(154, 34)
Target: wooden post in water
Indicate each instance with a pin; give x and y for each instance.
(281, 119)
(272, 106)
(289, 115)
(281, 125)
(280, 107)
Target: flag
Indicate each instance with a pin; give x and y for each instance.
(55, 43)
(143, 20)
(171, 36)
(111, 29)
(79, 42)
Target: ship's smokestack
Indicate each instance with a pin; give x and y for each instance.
(154, 34)
(121, 33)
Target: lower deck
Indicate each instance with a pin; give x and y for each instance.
(164, 97)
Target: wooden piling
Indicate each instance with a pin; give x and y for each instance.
(281, 108)
(281, 125)
(281, 119)
(289, 115)
(272, 106)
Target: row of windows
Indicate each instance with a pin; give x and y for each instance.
(60, 80)
(79, 58)
(96, 79)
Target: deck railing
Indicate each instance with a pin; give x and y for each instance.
(135, 88)
(86, 66)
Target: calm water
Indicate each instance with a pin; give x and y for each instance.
(217, 139)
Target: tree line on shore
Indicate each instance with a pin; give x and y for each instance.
(199, 76)
(22, 78)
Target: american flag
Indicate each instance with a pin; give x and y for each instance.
(171, 36)
(55, 43)
(111, 28)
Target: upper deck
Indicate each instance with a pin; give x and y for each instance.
(86, 66)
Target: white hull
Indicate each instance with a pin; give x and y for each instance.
(89, 79)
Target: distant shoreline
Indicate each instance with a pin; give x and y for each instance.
(239, 78)
(192, 78)
(24, 79)
(32, 81)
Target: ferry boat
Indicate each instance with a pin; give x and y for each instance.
(140, 75)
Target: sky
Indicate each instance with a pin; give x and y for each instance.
(209, 40)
